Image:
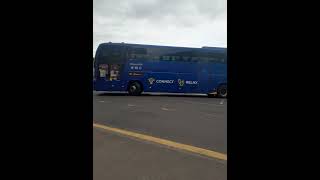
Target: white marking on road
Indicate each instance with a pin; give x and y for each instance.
(165, 109)
(101, 101)
(208, 114)
(211, 115)
(131, 105)
(222, 101)
(203, 103)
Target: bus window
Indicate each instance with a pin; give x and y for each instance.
(166, 58)
(185, 58)
(194, 59)
(115, 72)
(104, 71)
(156, 58)
(175, 58)
(133, 56)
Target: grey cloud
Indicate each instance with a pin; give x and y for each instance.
(180, 8)
(191, 22)
(157, 10)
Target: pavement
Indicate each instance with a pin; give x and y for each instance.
(197, 121)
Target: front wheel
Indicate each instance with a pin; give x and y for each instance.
(222, 91)
(135, 89)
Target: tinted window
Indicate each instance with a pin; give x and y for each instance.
(140, 54)
(158, 53)
(111, 54)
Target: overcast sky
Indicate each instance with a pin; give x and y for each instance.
(191, 23)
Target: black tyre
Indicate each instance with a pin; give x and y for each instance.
(135, 89)
(222, 91)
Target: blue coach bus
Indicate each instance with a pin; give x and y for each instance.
(137, 68)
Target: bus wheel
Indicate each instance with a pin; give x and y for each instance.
(222, 91)
(135, 89)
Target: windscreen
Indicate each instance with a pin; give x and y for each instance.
(109, 54)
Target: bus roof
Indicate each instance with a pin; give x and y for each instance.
(217, 49)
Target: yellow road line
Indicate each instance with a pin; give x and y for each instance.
(176, 145)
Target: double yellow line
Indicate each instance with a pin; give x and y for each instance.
(169, 143)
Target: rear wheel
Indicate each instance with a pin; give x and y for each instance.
(222, 91)
(135, 89)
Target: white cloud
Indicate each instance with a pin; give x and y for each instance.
(161, 22)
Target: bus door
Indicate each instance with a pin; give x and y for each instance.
(102, 82)
(115, 77)
(109, 77)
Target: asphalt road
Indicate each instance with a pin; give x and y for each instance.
(118, 157)
(194, 120)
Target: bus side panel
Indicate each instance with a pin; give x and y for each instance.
(217, 76)
(161, 82)
(187, 83)
(202, 76)
(101, 85)
(135, 71)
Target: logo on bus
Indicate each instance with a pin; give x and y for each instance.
(135, 64)
(135, 74)
(191, 82)
(136, 67)
(151, 80)
(160, 81)
(181, 82)
(165, 81)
